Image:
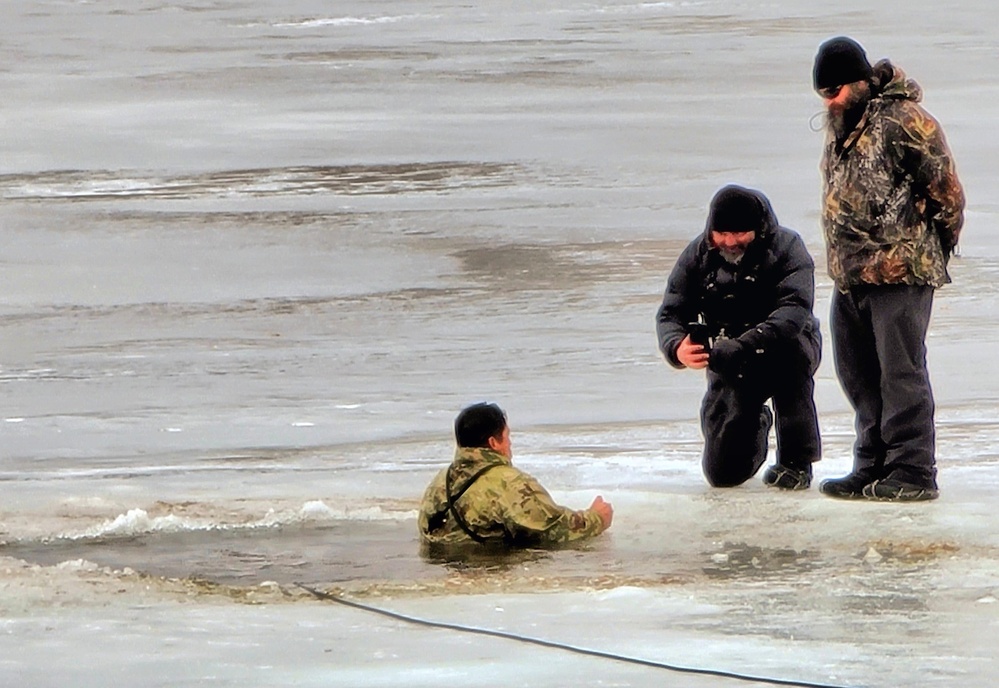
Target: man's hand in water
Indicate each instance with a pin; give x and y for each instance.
(604, 510)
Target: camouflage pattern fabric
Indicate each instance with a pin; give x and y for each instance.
(892, 207)
(504, 505)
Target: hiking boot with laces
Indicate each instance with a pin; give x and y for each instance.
(786, 478)
(891, 490)
(848, 487)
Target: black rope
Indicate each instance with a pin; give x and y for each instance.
(556, 645)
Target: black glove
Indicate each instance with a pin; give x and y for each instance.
(728, 356)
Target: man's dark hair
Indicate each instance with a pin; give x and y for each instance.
(477, 423)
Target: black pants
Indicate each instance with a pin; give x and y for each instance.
(879, 344)
(736, 423)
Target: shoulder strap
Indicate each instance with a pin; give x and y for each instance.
(452, 498)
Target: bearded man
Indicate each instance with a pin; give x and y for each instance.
(738, 302)
(892, 212)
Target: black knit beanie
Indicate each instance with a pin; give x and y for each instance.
(840, 61)
(736, 209)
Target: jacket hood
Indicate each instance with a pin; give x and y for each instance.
(734, 205)
(891, 82)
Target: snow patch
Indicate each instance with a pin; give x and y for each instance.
(318, 510)
(343, 21)
(78, 565)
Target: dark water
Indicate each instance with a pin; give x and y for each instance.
(386, 557)
(371, 556)
(331, 554)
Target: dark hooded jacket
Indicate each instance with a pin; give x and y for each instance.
(765, 300)
(892, 206)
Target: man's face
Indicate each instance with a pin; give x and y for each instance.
(732, 244)
(501, 444)
(840, 100)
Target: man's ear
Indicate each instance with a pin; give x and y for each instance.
(494, 443)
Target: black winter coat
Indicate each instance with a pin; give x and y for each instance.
(765, 300)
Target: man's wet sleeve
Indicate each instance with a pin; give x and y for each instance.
(532, 516)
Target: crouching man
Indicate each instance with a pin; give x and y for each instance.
(739, 303)
(482, 498)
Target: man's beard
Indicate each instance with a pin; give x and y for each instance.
(843, 121)
(732, 256)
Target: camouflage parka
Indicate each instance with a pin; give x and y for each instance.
(893, 206)
(503, 505)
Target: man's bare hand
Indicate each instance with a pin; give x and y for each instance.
(604, 510)
(692, 355)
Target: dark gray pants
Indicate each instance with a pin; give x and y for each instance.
(879, 345)
(735, 423)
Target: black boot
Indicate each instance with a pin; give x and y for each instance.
(787, 478)
(848, 487)
(893, 490)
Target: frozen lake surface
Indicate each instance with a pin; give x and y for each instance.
(257, 256)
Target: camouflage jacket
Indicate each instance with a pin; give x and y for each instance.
(892, 204)
(503, 505)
